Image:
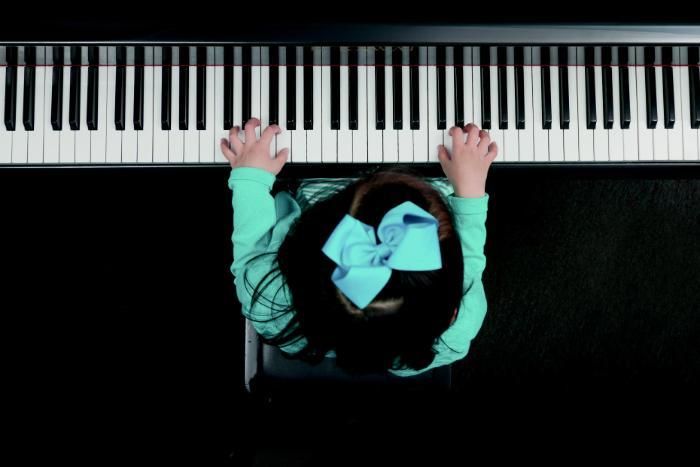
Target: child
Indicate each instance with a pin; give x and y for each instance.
(317, 282)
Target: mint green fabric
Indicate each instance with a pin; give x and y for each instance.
(261, 222)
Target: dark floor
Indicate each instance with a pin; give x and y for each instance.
(122, 339)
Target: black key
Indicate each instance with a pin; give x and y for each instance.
(246, 84)
(441, 94)
(502, 89)
(308, 88)
(379, 87)
(139, 63)
(201, 88)
(667, 77)
(519, 89)
(352, 87)
(274, 85)
(165, 90)
(29, 86)
(120, 90)
(546, 89)
(625, 115)
(694, 81)
(564, 88)
(397, 85)
(57, 89)
(459, 86)
(650, 85)
(335, 88)
(184, 88)
(291, 88)
(228, 87)
(485, 58)
(93, 87)
(74, 98)
(11, 88)
(415, 87)
(589, 62)
(608, 113)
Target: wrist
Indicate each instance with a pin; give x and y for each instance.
(467, 192)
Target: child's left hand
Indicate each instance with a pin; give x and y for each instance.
(254, 152)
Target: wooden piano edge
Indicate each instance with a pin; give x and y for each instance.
(616, 169)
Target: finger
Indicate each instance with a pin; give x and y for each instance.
(226, 151)
(472, 134)
(484, 139)
(493, 152)
(250, 126)
(443, 154)
(235, 140)
(282, 156)
(269, 133)
(457, 136)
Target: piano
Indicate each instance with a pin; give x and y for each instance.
(559, 94)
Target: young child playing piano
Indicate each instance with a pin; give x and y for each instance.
(382, 273)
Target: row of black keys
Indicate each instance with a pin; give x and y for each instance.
(184, 58)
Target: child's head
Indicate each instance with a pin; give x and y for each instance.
(414, 308)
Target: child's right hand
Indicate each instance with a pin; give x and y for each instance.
(468, 165)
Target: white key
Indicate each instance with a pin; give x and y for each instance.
(660, 132)
(82, 135)
(329, 138)
(646, 136)
(35, 144)
(435, 136)
(264, 114)
(208, 141)
(359, 136)
(176, 141)
(468, 95)
(344, 134)
(192, 134)
(129, 137)
(630, 134)
(51, 136)
(476, 91)
(283, 140)
(145, 136)
(495, 133)
(390, 138)
(238, 88)
(556, 134)
(571, 135)
(217, 102)
(67, 138)
(298, 136)
(585, 136)
(421, 149)
(374, 136)
(19, 139)
(526, 142)
(160, 136)
(5, 136)
(314, 138)
(615, 138)
(540, 135)
(690, 135)
(600, 134)
(675, 134)
(255, 87)
(510, 135)
(405, 133)
(449, 97)
(98, 138)
(114, 137)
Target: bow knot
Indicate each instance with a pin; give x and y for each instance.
(408, 242)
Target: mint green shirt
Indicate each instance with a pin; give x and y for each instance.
(261, 222)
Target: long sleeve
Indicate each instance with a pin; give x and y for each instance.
(470, 222)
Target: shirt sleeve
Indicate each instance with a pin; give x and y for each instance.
(470, 222)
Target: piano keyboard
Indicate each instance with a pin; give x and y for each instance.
(128, 105)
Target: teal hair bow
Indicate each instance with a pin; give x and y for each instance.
(409, 242)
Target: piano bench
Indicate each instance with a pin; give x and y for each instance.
(269, 370)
